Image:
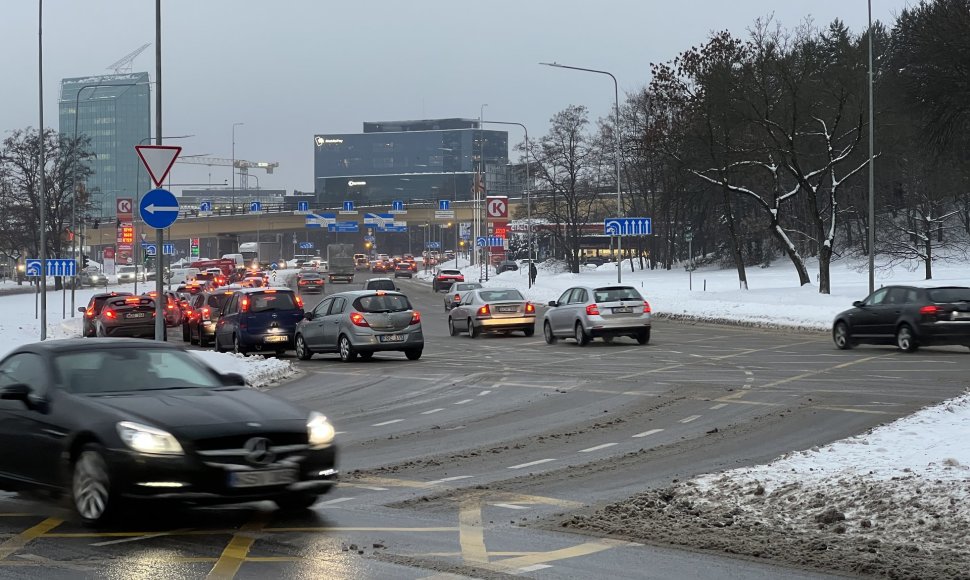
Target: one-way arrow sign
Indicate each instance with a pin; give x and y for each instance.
(158, 160)
(152, 208)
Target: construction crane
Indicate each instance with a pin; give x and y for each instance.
(123, 65)
(241, 164)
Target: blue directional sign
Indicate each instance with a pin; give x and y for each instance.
(159, 209)
(320, 220)
(432, 245)
(55, 267)
(397, 206)
(395, 228)
(205, 207)
(370, 239)
(627, 226)
(344, 227)
(303, 206)
(168, 249)
(489, 242)
(150, 249)
(444, 205)
(255, 207)
(306, 245)
(348, 206)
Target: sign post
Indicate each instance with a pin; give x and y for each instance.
(159, 209)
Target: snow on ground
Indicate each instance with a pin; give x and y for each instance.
(259, 371)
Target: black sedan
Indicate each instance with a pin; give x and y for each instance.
(109, 421)
(908, 317)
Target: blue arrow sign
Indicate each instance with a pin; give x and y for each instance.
(370, 239)
(55, 267)
(150, 249)
(480, 242)
(628, 226)
(397, 228)
(321, 220)
(205, 207)
(432, 245)
(159, 209)
(255, 207)
(306, 245)
(168, 249)
(444, 205)
(348, 206)
(303, 206)
(33, 268)
(344, 227)
(397, 206)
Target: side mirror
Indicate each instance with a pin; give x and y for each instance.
(308, 315)
(396, 289)
(553, 304)
(233, 380)
(858, 304)
(15, 392)
(81, 309)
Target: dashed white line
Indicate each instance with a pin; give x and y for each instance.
(447, 479)
(338, 500)
(431, 411)
(719, 406)
(391, 422)
(483, 393)
(689, 419)
(534, 567)
(530, 464)
(372, 487)
(650, 432)
(597, 448)
(749, 373)
(463, 401)
(510, 506)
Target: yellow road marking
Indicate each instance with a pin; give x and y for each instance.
(236, 551)
(583, 549)
(17, 542)
(471, 534)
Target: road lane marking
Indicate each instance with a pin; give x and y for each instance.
(535, 567)
(689, 419)
(738, 394)
(447, 479)
(530, 464)
(463, 401)
(11, 545)
(510, 506)
(483, 393)
(391, 422)
(140, 538)
(235, 553)
(583, 549)
(597, 448)
(471, 534)
(337, 500)
(719, 406)
(431, 411)
(646, 433)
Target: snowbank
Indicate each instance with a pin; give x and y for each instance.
(259, 371)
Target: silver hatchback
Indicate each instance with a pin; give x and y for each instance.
(360, 323)
(584, 313)
(492, 310)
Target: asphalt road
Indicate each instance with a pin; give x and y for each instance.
(464, 462)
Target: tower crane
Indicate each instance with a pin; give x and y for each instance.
(123, 65)
(241, 164)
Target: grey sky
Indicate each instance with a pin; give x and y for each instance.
(292, 68)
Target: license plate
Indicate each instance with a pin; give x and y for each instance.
(507, 309)
(135, 315)
(262, 478)
(961, 315)
(391, 337)
(623, 310)
(277, 338)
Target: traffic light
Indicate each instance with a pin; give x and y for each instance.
(85, 260)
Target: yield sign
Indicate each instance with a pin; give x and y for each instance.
(158, 160)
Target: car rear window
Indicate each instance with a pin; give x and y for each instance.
(616, 294)
(269, 301)
(499, 295)
(380, 285)
(382, 303)
(450, 273)
(218, 301)
(469, 286)
(941, 295)
(140, 302)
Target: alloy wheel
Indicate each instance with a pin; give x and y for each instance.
(580, 335)
(841, 336)
(547, 333)
(91, 486)
(905, 339)
(302, 352)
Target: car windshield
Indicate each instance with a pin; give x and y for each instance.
(382, 303)
(126, 269)
(499, 295)
(269, 301)
(616, 294)
(941, 295)
(94, 372)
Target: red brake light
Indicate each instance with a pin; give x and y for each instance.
(205, 313)
(530, 308)
(646, 307)
(244, 305)
(299, 302)
(593, 310)
(132, 300)
(358, 319)
(457, 297)
(415, 317)
(89, 312)
(303, 282)
(109, 313)
(484, 310)
(930, 310)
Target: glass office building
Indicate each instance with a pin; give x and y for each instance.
(412, 161)
(114, 112)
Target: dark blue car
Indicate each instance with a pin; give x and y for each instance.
(259, 319)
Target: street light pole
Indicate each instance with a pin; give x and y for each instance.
(41, 196)
(525, 191)
(872, 197)
(480, 176)
(159, 233)
(232, 196)
(616, 153)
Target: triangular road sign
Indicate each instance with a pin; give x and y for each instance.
(158, 160)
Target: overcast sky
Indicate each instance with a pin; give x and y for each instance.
(292, 68)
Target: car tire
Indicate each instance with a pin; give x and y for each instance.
(582, 339)
(529, 331)
(452, 331)
(841, 336)
(347, 352)
(643, 337)
(296, 501)
(473, 332)
(548, 334)
(905, 339)
(91, 494)
(237, 346)
(186, 334)
(203, 341)
(303, 352)
(413, 353)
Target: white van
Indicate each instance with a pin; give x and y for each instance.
(237, 258)
(182, 275)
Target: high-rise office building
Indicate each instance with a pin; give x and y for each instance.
(410, 160)
(114, 112)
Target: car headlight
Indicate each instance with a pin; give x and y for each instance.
(319, 430)
(145, 439)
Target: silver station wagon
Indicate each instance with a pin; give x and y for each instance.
(360, 323)
(584, 313)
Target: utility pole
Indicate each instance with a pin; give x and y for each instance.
(42, 194)
(159, 233)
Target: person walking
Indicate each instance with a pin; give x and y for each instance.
(533, 272)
